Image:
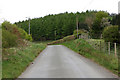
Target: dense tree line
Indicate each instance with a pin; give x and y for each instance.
(98, 24)
(57, 26)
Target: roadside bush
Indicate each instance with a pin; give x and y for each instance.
(8, 39)
(24, 35)
(111, 34)
(13, 36)
(81, 31)
(55, 42)
(68, 38)
(7, 26)
(29, 38)
(20, 33)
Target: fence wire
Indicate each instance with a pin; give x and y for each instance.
(105, 47)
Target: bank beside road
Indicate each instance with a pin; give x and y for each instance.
(17, 59)
(85, 49)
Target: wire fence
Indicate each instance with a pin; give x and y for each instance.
(106, 47)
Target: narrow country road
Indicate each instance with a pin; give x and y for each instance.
(57, 61)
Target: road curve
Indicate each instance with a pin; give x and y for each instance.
(57, 61)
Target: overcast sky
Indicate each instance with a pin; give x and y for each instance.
(18, 10)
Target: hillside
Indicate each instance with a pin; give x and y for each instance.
(57, 26)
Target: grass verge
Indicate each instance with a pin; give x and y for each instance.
(16, 60)
(84, 48)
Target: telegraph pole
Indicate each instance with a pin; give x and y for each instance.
(77, 25)
(29, 25)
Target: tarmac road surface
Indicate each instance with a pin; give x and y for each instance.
(57, 61)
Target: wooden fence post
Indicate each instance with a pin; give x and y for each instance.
(109, 47)
(115, 49)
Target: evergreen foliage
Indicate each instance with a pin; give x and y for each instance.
(57, 26)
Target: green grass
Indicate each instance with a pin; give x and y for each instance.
(85, 49)
(0, 52)
(0, 65)
(16, 60)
